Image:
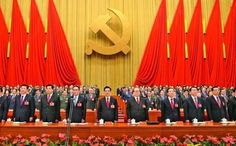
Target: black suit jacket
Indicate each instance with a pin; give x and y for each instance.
(22, 113)
(108, 113)
(78, 110)
(136, 111)
(4, 104)
(232, 108)
(168, 113)
(50, 111)
(215, 112)
(191, 111)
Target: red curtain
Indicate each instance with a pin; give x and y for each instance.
(230, 45)
(195, 45)
(18, 40)
(180, 67)
(214, 47)
(151, 66)
(60, 68)
(3, 48)
(34, 72)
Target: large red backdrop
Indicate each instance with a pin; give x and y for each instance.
(186, 63)
(34, 54)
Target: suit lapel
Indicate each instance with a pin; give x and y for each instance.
(192, 102)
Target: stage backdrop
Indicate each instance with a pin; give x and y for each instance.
(77, 15)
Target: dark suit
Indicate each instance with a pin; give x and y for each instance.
(108, 113)
(168, 113)
(79, 109)
(151, 103)
(91, 101)
(215, 112)
(232, 108)
(137, 111)
(191, 111)
(3, 108)
(50, 110)
(22, 112)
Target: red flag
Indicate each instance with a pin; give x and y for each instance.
(180, 67)
(151, 67)
(3, 48)
(18, 40)
(230, 45)
(214, 47)
(60, 68)
(199, 70)
(34, 72)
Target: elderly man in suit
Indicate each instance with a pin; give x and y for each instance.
(193, 106)
(216, 106)
(24, 106)
(91, 99)
(170, 107)
(50, 106)
(232, 106)
(137, 107)
(78, 103)
(107, 107)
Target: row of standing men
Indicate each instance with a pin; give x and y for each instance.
(107, 107)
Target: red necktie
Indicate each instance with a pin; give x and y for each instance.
(48, 98)
(107, 102)
(172, 103)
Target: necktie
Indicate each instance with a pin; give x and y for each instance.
(48, 98)
(21, 100)
(196, 102)
(172, 103)
(138, 100)
(107, 102)
(218, 101)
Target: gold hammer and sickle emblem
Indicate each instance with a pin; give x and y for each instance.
(120, 43)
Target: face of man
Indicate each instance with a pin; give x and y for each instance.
(136, 92)
(171, 93)
(194, 92)
(149, 93)
(107, 92)
(23, 90)
(215, 91)
(90, 91)
(76, 91)
(49, 90)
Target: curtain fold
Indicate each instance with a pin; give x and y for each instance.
(18, 40)
(195, 45)
(60, 68)
(213, 40)
(179, 66)
(150, 66)
(34, 72)
(3, 48)
(230, 45)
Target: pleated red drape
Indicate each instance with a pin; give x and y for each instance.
(151, 66)
(60, 68)
(198, 65)
(213, 42)
(230, 45)
(179, 66)
(18, 40)
(34, 72)
(3, 48)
